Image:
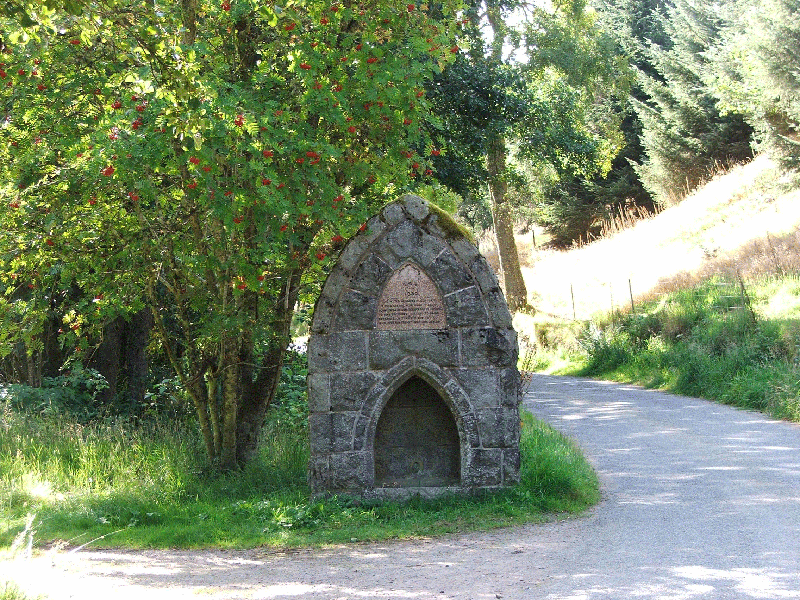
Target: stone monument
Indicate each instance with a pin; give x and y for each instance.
(413, 386)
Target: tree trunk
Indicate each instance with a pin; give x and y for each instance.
(138, 334)
(107, 358)
(52, 354)
(510, 272)
(259, 391)
(229, 367)
(189, 21)
(193, 380)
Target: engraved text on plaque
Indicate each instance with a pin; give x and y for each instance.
(410, 300)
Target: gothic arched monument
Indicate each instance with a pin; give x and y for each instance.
(413, 385)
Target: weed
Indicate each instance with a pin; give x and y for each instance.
(9, 591)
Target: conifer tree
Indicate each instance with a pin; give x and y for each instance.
(685, 136)
(755, 72)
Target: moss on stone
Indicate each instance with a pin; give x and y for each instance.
(449, 225)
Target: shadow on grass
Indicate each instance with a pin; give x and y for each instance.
(267, 504)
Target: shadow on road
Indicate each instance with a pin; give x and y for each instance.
(699, 501)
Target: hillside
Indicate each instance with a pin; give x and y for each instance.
(747, 219)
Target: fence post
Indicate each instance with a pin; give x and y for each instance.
(746, 298)
(630, 290)
(572, 295)
(611, 295)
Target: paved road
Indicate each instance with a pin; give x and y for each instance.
(700, 501)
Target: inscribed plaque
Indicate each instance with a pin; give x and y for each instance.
(410, 300)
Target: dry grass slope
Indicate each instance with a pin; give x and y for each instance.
(747, 219)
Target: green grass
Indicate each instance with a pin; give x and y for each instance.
(9, 591)
(114, 485)
(712, 341)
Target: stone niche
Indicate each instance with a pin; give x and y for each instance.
(413, 386)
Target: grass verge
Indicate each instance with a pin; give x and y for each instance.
(721, 339)
(111, 485)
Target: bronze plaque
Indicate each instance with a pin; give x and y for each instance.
(410, 300)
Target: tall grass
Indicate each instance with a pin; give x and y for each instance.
(51, 457)
(748, 219)
(116, 484)
(722, 340)
(624, 217)
(9, 591)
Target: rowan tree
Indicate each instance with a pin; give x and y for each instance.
(203, 159)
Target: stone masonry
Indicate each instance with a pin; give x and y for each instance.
(413, 385)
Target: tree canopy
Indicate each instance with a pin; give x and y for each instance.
(201, 159)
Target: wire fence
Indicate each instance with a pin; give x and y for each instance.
(585, 300)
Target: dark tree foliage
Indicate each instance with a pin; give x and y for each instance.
(573, 207)
(779, 50)
(478, 101)
(684, 135)
(474, 101)
(754, 72)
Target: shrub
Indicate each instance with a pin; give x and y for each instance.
(642, 328)
(679, 318)
(72, 394)
(290, 407)
(607, 349)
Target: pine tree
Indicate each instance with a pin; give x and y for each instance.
(684, 134)
(755, 72)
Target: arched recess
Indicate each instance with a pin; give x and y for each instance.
(416, 439)
(450, 401)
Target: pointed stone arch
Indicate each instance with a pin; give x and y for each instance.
(452, 397)
(454, 340)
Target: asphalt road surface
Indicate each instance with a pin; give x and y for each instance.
(699, 501)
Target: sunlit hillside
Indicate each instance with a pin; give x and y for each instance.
(747, 220)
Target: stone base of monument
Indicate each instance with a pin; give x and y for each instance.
(407, 493)
(413, 385)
